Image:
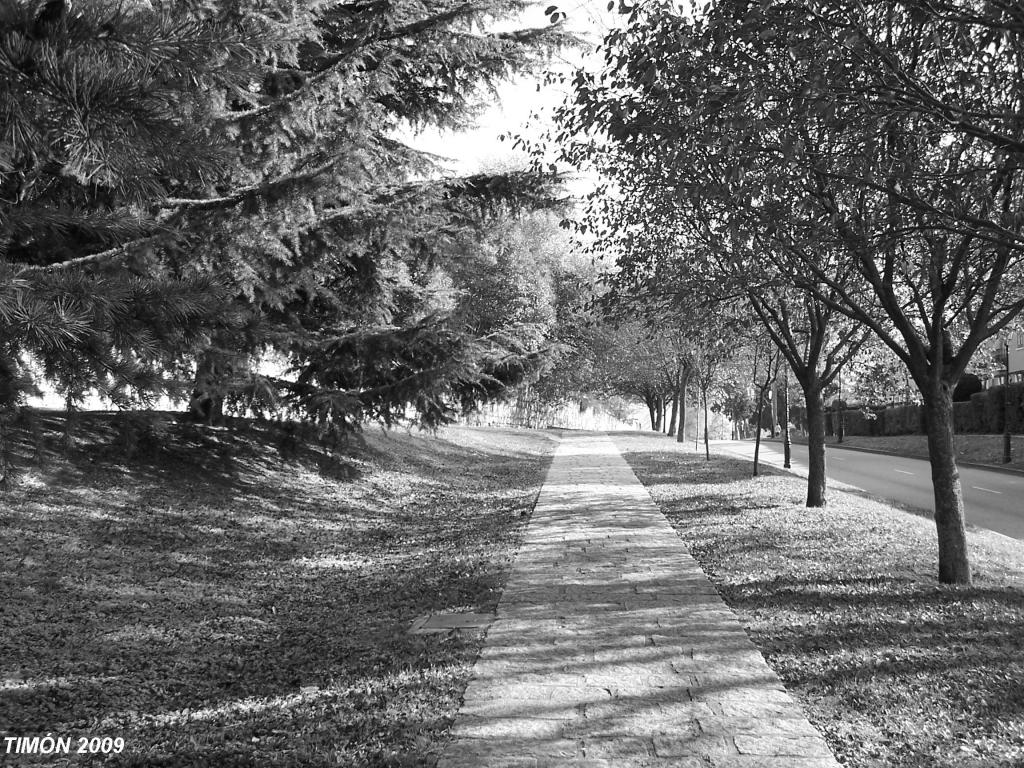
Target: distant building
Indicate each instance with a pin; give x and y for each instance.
(998, 376)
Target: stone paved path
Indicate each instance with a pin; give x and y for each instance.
(611, 649)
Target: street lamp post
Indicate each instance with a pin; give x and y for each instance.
(787, 447)
(1007, 444)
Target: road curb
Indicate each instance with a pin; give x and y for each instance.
(970, 464)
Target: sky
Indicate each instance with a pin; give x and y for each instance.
(519, 100)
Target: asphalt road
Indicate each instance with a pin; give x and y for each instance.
(993, 500)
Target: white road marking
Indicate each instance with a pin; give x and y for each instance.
(836, 458)
(903, 471)
(986, 490)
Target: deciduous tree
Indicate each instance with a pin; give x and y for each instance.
(872, 146)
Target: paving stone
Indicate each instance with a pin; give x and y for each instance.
(791, 727)
(462, 760)
(469, 753)
(533, 654)
(752, 761)
(716, 678)
(560, 679)
(617, 747)
(647, 716)
(638, 724)
(543, 709)
(755, 708)
(778, 745)
(535, 692)
(625, 686)
(745, 695)
(650, 671)
(702, 745)
(611, 649)
(510, 669)
(640, 654)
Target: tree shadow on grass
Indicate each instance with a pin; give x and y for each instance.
(961, 647)
(158, 446)
(690, 469)
(191, 616)
(186, 673)
(167, 446)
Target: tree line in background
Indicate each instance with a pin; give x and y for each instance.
(843, 173)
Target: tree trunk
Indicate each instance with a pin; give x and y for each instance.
(787, 444)
(653, 409)
(696, 424)
(207, 402)
(757, 432)
(659, 413)
(6, 450)
(774, 400)
(681, 399)
(673, 420)
(765, 393)
(70, 422)
(954, 561)
(816, 485)
(707, 445)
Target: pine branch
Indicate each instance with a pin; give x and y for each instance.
(501, 188)
(206, 203)
(332, 64)
(517, 189)
(110, 254)
(255, 189)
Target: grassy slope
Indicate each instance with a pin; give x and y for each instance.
(894, 669)
(215, 605)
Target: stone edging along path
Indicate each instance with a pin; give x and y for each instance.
(612, 649)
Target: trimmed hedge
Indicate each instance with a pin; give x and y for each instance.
(966, 418)
(864, 421)
(981, 415)
(904, 420)
(1016, 394)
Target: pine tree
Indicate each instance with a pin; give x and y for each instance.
(209, 181)
(103, 110)
(348, 210)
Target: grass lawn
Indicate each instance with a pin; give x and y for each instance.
(894, 669)
(216, 605)
(978, 449)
